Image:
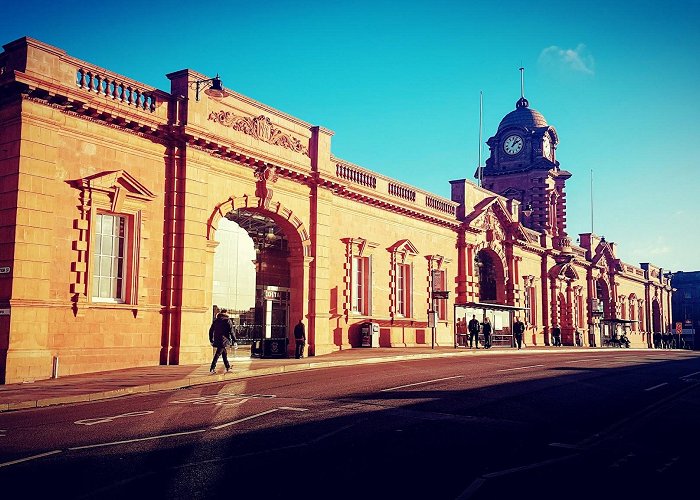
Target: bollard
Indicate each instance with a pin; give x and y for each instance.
(54, 367)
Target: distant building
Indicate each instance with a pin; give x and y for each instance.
(130, 214)
(686, 302)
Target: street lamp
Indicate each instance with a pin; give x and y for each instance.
(527, 211)
(211, 86)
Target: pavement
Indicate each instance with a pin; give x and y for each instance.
(117, 383)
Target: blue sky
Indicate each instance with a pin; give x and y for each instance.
(399, 83)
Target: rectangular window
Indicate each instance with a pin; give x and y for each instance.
(361, 285)
(581, 321)
(109, 256)
(403, 290)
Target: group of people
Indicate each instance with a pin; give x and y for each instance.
(474, 328)
(222, 336)
(667, 341)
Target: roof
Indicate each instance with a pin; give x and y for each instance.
(523, 116)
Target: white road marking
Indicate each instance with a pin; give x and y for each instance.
(583, 360)
(656, 386)
(246, 418)
(421, 383)
(221, 399)
(689, 375)
(26, 459)
(126, 441)
(104, 420)
(519, 368)
(250, 417)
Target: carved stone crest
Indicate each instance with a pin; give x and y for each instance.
(260, 127)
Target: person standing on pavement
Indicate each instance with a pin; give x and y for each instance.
(299, 340)
(556, 336)
(518, 330)
(473, 328)
(221, 336)
(486, 330)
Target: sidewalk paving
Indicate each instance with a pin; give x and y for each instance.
(116, 383)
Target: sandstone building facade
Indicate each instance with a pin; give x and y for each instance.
(129, 213)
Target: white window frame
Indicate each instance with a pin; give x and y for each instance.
(361, 285)
(118, 273)
(404, 290)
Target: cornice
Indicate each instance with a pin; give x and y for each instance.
(104, 119)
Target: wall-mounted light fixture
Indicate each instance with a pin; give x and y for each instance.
(527, 210)
(210, 86)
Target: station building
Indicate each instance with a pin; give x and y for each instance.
(130, 215)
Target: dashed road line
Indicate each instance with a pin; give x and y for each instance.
(26, 459)
(689, 375)
(421, 383)
(656, 386)
(137, 440)
(519, 368)
(582, 360)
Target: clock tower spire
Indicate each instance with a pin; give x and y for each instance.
(522, 165)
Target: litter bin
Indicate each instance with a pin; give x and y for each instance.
(370, 334)
(274, 347)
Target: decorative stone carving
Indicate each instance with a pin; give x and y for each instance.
(260, 127)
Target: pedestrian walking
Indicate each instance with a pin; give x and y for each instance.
(556, 336)
(299, 340)
(518, 330)
(221, 336)
(473, 331)
(486, 330)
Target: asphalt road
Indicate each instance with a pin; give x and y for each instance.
(603, 423)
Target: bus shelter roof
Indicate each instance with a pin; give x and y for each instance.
(487, 305)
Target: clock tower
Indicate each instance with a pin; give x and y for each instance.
(522, 165)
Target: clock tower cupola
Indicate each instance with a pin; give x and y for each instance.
(522, 165)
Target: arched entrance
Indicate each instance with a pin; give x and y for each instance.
(491, 276)
(258, 276)
(656, 316)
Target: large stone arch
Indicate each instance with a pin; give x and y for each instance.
(286, 218)
(500, 271)
(299, 245)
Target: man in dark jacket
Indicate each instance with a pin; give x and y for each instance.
(486, 330)
(556, 336)
(518, 330)
(299, 340)
(474, 328)
(221, 336)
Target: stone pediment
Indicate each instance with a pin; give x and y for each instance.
(116, 180)
(118, 185)
(403, 247)
(492, 217)
(605, 259)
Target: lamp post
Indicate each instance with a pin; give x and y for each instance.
(211, 86)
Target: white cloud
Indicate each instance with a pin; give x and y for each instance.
(578, 60)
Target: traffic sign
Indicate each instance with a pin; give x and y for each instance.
(679, 327)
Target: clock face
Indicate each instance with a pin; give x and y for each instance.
(513, 144)
(546, 147)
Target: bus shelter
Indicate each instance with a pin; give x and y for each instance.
(614, 331)
(501, 317)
